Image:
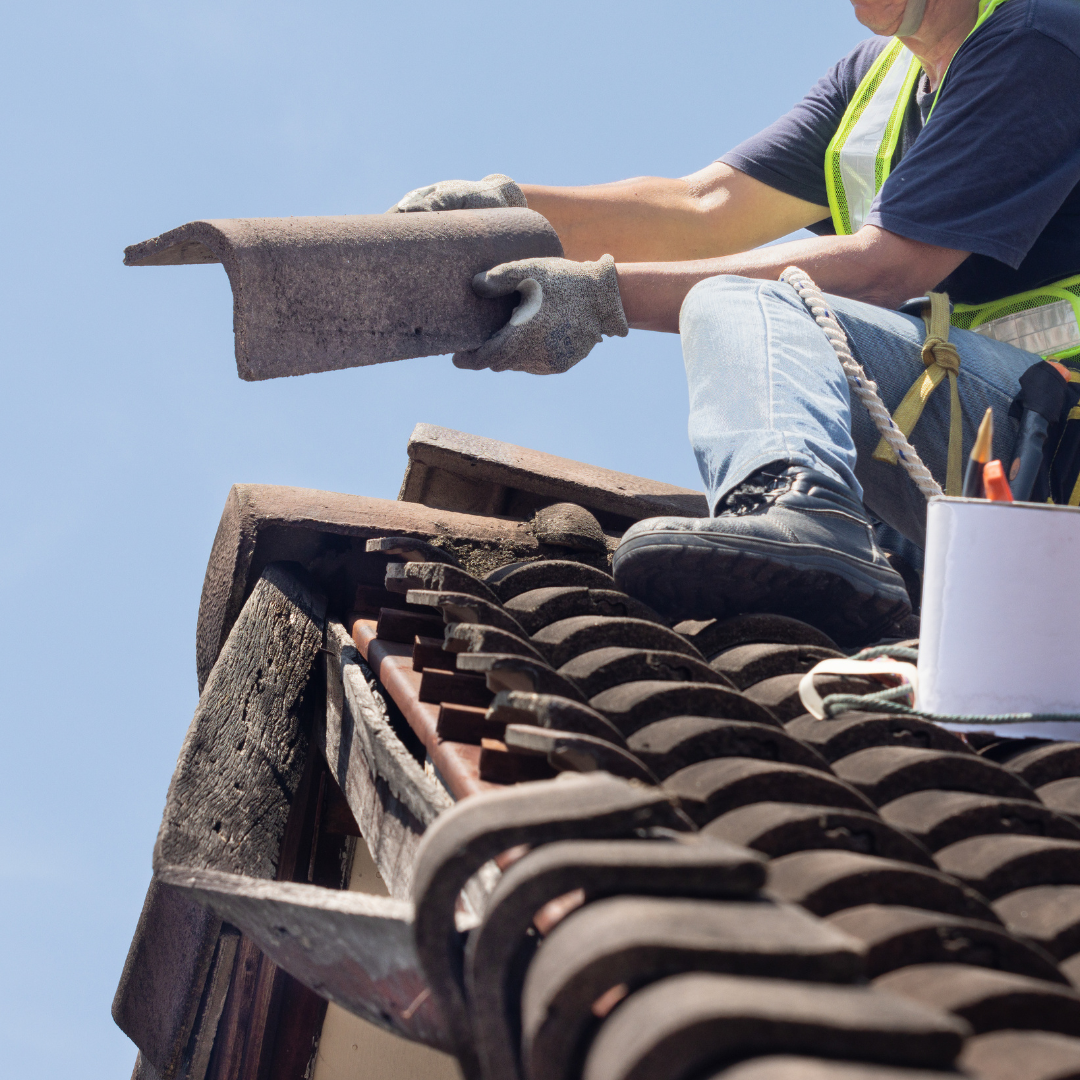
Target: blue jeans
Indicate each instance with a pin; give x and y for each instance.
(765, 385)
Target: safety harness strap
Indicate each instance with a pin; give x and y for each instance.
(941, 359)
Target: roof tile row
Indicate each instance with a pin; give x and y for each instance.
(957, 882)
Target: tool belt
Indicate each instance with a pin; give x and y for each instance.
(1043, 390)
(1045, 321)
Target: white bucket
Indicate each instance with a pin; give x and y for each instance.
(1001, 611)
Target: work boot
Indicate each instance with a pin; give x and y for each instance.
(788, 540)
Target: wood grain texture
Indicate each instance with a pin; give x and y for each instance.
(270, 1021)
(166, 968)
(351, 948)
(241, 761)
(238, 1049)
(200, 1045)
(228, 805)
(391, 796)
(225, 581)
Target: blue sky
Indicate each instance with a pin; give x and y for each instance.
(124, 422)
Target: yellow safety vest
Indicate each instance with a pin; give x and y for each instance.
(858, 161)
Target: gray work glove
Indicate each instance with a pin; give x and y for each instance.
(492, 193)
(566, 308)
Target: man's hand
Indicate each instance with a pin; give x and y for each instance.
(492, 193)
(566, 308)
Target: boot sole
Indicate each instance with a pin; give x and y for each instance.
(695, 577)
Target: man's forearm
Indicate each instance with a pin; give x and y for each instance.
(644, 219)
(874, 265)
(717, 211)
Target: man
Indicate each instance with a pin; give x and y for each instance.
(943, 155)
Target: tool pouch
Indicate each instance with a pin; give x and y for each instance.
(1043, 391)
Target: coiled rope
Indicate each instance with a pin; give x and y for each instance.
(864, 388)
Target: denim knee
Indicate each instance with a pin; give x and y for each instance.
(706, 301)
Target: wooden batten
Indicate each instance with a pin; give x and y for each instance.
(390, 794)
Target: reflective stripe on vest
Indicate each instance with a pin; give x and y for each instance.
(858, 161)
(1047, 330)
(1045, 321)
(859, 158)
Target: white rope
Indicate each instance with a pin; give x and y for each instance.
(864, 388)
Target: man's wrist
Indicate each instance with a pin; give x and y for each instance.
(652, 295)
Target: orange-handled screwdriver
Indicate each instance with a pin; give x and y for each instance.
(996, 483)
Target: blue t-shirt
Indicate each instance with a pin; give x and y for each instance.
(995, 172)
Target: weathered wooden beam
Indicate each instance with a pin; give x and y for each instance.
(200, 1044)
(270, 1022)
(227, 807)
(351, 948)
(322, 293)
(161, 985)
(229, 798)
(451, 470)
(391, 796)
(326, 533)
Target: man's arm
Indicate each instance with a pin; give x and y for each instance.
(874, 265)
(716, 211)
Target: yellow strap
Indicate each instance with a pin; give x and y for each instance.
(940, 358)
